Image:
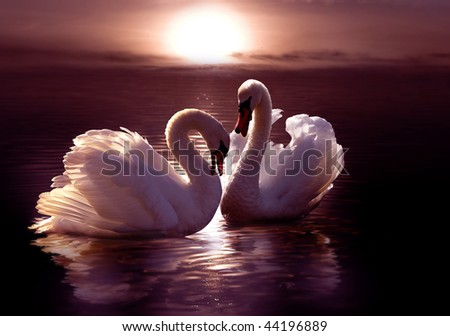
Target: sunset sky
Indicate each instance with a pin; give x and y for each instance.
(296, 33)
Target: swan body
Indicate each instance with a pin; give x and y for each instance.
(271, 182)
(116, 184)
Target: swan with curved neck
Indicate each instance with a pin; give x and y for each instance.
(275, 183)
(116, 184)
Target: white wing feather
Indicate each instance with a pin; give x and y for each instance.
(86, 197)
(303, 172)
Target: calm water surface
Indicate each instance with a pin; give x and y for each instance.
(347, 257)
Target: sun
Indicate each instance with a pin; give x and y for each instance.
(206, 35)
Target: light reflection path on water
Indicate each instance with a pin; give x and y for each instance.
(250, 270)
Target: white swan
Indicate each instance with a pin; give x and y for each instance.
(116, 184)
(272, 182)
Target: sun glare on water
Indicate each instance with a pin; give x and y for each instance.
(206, 35)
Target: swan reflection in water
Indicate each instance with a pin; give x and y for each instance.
(220, 270)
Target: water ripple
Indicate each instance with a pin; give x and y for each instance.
(220, 270)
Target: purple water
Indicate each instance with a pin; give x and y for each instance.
(376, 244)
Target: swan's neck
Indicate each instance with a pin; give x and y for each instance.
(177, 136)
(245, 180)
(203, 188)
(262, 125)
(258, 137)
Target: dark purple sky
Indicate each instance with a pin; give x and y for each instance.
(277, 32)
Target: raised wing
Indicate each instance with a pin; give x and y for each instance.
(300, 174)
(115, 181)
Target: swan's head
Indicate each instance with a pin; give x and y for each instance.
(218, 141)
(250, 94)
(216, 137)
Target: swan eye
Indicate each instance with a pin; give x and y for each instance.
(245, 105)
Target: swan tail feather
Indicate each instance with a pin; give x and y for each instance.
(71, 212)
(43, 225)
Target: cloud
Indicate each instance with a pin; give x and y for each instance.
(309, 58)
(411, 3)
(295, 57)
(21, 55)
